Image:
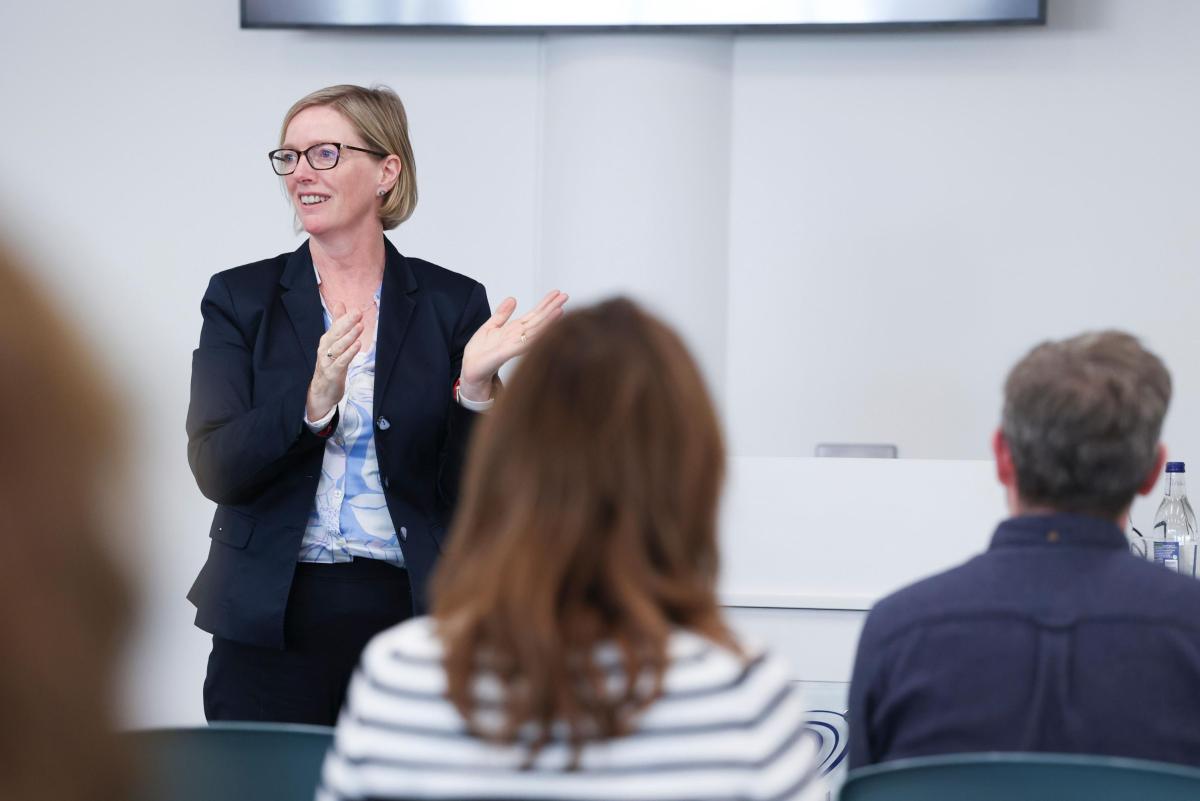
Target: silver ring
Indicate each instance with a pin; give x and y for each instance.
(329, 354)
(524, 339)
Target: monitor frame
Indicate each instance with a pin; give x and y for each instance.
(633, 15)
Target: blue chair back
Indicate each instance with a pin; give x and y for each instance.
(231, 761)
(1027, 777)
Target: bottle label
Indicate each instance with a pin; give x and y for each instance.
(1166, 553)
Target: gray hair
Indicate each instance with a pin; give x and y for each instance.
(1082, 418)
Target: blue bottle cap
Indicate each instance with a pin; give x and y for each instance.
(1175, 467)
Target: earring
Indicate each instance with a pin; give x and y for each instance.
(381, 192)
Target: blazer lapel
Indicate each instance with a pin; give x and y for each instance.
(395, 311)
(302, 301)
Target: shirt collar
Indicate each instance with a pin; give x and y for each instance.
(1072, 530)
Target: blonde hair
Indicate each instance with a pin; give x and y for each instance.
(378, 116)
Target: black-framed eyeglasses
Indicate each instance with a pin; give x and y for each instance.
(324, 156)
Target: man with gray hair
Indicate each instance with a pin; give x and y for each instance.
(1056, 638)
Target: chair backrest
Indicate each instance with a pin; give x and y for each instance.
(230, 761)
(1028, 777)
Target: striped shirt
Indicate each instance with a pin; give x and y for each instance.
(725, 729)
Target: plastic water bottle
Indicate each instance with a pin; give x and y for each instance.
(1173, 542)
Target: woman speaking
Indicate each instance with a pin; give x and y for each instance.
(332, 395)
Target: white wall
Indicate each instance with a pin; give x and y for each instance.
(857, 233)
(636, 176)
(912, 212)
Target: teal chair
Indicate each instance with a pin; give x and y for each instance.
(1022, 777)
(230, 761)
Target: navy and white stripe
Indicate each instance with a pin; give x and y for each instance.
(725, 729)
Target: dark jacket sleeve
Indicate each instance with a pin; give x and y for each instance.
(460, 420)
(237, 444)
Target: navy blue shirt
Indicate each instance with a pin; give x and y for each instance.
(1055, 639)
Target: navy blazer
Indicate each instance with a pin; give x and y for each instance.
(252, 453)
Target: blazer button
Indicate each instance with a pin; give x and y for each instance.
(382, 423)
(403, 534)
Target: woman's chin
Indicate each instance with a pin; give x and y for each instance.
(313, 226)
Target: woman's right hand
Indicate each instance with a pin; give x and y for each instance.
(338, 346)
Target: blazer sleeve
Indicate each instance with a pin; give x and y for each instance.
(234, 446)
(461, 420)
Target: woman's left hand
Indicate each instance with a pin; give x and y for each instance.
(501, 338)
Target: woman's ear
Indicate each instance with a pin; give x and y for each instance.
(389, 173)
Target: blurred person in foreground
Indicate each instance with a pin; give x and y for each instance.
(576, 647)
(1055, 639)
(333, 393)
(65, 605)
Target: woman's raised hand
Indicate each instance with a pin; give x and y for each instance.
(501, 338)
(338, 346)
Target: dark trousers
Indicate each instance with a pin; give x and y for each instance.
(332, 611)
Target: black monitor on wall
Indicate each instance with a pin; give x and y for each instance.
(543, 15)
